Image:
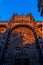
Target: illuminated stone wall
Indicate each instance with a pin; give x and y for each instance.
(28, 20)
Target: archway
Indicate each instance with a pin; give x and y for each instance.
(27, 30)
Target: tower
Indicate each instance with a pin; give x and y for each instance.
(40, 7)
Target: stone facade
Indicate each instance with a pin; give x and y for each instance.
(28, 20)
(21, 41)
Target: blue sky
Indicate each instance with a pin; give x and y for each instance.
(9, 7)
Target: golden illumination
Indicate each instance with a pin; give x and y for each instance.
(2, 30)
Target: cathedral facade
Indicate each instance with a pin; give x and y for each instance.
(21, 41)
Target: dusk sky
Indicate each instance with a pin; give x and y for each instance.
(10, 7)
